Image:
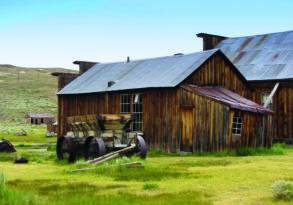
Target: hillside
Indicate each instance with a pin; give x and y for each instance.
(24, 90)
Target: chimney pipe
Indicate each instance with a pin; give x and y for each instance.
(110, 83)
(128, 59)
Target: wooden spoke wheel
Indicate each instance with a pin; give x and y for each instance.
(141, 148)
(66, 149)
(94, 147)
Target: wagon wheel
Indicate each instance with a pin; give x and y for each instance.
(66, 148)
(141, 147)
(94, 147)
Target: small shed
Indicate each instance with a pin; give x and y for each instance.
(215, 118)
(40, 118)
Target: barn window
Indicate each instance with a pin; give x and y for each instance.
(137, 112)
(237, 124)
(264, 98)
(132, 104)
(125, 103)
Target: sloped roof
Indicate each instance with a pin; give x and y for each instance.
(148, 73)
(228, 98)
(261, 57)
(40, 115)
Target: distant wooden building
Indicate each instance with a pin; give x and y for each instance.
(40, 118)
(193, 102)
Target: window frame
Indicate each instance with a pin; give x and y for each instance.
(124, 103)
(237, 123)
(137, 122)
(135, 109)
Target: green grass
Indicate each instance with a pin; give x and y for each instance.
(276, 149)
(244, 176)
(170, 179)
(24, 90)
(150, 186)
(12, 197)
(35, 133)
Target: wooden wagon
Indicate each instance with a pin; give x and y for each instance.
(93, 136)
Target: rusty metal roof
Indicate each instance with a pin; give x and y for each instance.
(148, 73)
(261, 57)
(228, 98)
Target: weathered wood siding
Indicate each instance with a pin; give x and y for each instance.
(159, 113)
(282, 106)
(217, 71)
(72, 105)
(256, 131)
(212, 129)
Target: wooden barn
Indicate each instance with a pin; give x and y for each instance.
(266, 61)
(194, 102)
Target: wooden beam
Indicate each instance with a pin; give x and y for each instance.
(271, 95)
(111, 155)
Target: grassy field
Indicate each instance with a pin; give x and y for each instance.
(24, 90)
(163, 179)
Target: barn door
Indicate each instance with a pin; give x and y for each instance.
(187, 129)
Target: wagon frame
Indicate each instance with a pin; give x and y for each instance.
(93, 136)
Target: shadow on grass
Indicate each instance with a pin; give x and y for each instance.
(140, 174)
(123, 198)
(75, 193)
(52, 187)
(276, 149)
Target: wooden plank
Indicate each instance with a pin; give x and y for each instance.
(111, 155)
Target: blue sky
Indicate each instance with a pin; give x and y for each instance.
(57, 32)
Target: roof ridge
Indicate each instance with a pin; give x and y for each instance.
(161, 57)
(256, 35)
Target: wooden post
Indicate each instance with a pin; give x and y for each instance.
(267, 102)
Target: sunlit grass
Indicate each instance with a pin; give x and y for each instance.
(35, 133)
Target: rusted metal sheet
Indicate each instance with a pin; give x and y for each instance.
(148, 73)
(261, 57)
(228, 97)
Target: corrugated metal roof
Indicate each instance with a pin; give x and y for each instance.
(261, 57)
(148, 73)
(228, 97)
